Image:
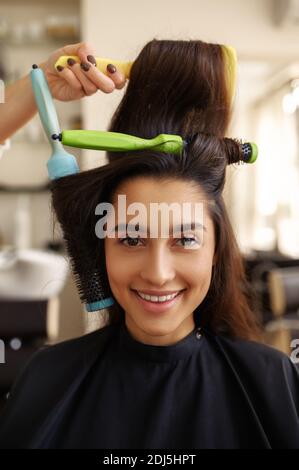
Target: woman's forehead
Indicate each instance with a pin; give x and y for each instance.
(169, 203)
(153, 217)
(149, 190)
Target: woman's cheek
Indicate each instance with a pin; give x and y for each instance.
(120, 267)
(198, 270)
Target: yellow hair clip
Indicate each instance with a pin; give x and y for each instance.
(231, 61)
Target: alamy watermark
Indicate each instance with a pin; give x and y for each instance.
(2, 91)
(186, 217)
(295, 352)
(2, 352)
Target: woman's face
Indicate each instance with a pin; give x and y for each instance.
(162, 264)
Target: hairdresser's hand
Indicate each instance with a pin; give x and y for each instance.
(75, 81)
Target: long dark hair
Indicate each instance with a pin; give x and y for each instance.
(175, 87)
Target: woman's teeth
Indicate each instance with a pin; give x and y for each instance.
(154, 298)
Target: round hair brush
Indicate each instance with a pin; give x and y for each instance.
(89, 277)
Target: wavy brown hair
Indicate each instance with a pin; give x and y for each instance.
(175, 87)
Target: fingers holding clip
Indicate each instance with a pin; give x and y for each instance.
(92, 79)
(99, 79)
(85, 76)
(114, 79)
(117, 76)
(107, 83)
(79, 72)
(71, 79)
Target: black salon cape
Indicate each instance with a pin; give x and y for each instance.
(105, 390)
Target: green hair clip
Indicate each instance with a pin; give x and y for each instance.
(118, 142)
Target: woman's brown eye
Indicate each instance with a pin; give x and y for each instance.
(188, 241)
(130, 239)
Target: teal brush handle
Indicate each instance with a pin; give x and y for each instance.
(45, 105)
(100, 304)
(61, 162)
(118, 142)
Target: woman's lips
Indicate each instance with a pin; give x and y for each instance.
(158, 307)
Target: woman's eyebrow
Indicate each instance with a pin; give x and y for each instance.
(178, 228)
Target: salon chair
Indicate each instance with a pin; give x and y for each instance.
(283, 328)
(274, 279)
(25, 325)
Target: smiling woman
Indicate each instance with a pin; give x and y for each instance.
(177, 266)
(178, 364)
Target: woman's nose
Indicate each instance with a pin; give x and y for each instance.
(158, 267)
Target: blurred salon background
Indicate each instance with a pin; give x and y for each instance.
(38, 299)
